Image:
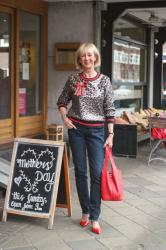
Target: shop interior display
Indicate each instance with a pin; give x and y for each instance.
(140, 119)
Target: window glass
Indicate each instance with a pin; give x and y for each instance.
(5, 78)
(30, 86)
(128, 62)
(128, 98)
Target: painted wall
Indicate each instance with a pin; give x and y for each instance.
(67, 22)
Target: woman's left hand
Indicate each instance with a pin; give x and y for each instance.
(109, 141)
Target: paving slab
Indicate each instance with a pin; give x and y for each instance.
(138, 180)
(87, 244)
(20, 248)
(115, 242)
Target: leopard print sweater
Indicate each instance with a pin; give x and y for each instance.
(92, 99)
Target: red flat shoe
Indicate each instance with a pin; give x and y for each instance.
(84, 223)
(96, 230)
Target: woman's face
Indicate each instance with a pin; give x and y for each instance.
(87, 59)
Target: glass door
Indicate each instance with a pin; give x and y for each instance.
(30, 93)
(6, 75)
(30, 87)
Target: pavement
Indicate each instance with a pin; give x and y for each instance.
(137, 223)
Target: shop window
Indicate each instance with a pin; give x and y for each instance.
(30, 84)
(129, 60)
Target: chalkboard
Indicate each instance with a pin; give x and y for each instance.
(34, 179)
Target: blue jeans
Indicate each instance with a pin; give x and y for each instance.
(88, 141)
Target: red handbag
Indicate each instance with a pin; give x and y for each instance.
(111, 181)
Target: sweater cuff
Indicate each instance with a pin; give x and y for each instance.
(61, 105)
(110, 119)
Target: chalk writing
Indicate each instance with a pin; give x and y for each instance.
(17, 196)
(34, 177)
(39, 199)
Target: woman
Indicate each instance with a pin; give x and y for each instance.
(92, 104)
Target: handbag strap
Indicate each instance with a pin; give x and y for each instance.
(109, 156)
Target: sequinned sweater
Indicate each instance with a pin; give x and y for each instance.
(92, 99)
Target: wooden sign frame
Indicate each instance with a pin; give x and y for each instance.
(65, 169)
(64, 58)
(61, 153)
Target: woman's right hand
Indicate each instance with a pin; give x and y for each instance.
(68, 123)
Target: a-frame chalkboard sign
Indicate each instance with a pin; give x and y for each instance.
(36, 169)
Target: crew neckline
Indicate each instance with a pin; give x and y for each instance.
(89, 78)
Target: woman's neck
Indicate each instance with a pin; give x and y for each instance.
(90, 73)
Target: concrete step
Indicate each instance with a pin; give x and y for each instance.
(4, 172)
